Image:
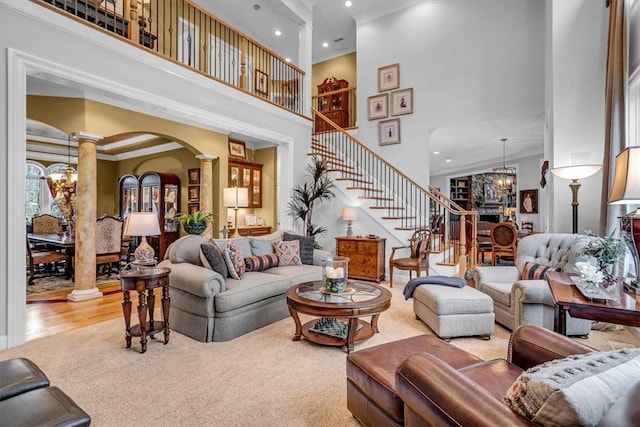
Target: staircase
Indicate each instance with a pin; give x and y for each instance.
(395, 201)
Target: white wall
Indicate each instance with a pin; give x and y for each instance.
(36, 41)
(577, 65)
(467, 61)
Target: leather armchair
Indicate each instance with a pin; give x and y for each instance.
(435, 393)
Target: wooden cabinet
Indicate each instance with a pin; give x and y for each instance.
(366, 257)
(333, 103)
(251, 231)
(249, 175)
(153, 192)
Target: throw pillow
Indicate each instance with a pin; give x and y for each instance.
(576, 390)
(533, 271)
(417, 246)
(288, 253)
(307, 243)
(261, 262)
(235, 261)
(212, 258)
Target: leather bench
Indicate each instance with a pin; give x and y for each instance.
(27, 400)
(19, 376)
(371, 391)
(43, 406)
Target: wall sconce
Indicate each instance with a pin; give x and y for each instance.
(142, 224)
(236, 198)
(349, 214)
(626, 191)
(575, 173)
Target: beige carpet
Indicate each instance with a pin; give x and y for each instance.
(262, 378)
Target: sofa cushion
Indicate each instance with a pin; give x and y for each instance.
(298, 274)
(234, 259)
(261, 262)
(288, 252)
(533, 271)
(577, 390)
(255, 286)
(243, 243)
(262, 247)
(499, 292)
(307, 243)
(212, 258)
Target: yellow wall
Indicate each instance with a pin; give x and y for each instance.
(341, 67)
(72, 114)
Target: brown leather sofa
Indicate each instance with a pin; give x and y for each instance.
(436, 393)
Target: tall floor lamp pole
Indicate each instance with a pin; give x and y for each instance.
(575, 173)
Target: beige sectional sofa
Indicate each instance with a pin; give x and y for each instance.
(208, 307)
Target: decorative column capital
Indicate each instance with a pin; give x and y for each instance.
(84, 136)
(206, 157)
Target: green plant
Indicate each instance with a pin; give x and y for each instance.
(304, 196)
(194, 218)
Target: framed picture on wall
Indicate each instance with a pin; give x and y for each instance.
(194, 176)
(529, 201)
(490, 193)
(193, 208)
(262, 82)
(389, 77)
(377, 107)
(389, 132)
(402, 102)
(237, 150)
(194, 193)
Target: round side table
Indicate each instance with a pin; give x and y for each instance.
(144, 281)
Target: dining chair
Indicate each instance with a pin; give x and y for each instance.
(418, 259)
(484, 240)
(45, 224)
(109, 243)
(38, 260)
(504, 239)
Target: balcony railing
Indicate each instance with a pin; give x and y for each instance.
(185, 33)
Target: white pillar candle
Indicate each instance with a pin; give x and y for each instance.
(339, 272)
(330, 273)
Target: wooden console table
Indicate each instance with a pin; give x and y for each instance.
(144, 281)
(568, 299)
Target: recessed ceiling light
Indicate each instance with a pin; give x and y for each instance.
(448, 160)
(278, 33)
(436, 152)
(288, 59)
(325, 44)
(348, 3)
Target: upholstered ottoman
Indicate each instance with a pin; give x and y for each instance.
(19, 376)
(454, 312)
(371, 390)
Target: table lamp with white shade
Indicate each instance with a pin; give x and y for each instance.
(626, 191)
(236, 198)
(142, 224)
(575, 173)
(349, 214)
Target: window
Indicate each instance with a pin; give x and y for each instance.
(37, 197)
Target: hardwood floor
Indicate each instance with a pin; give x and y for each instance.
(51, 313)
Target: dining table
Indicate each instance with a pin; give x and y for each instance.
(64, 242)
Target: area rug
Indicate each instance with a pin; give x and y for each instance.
(56, 283)
(261, 378)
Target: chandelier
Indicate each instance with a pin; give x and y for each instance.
(63, 187)
(504, 177)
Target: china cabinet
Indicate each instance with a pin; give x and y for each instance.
(335, 106)
(153, 192)
(249, 175)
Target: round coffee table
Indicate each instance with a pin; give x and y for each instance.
(361, 300)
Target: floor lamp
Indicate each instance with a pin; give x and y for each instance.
(626, 191)
(575, 173)
(236, 198)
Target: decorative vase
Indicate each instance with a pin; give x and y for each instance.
(194, 227)
(334, 274)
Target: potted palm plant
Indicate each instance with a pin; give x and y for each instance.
(194, 223)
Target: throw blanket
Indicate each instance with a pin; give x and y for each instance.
(410, 287)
